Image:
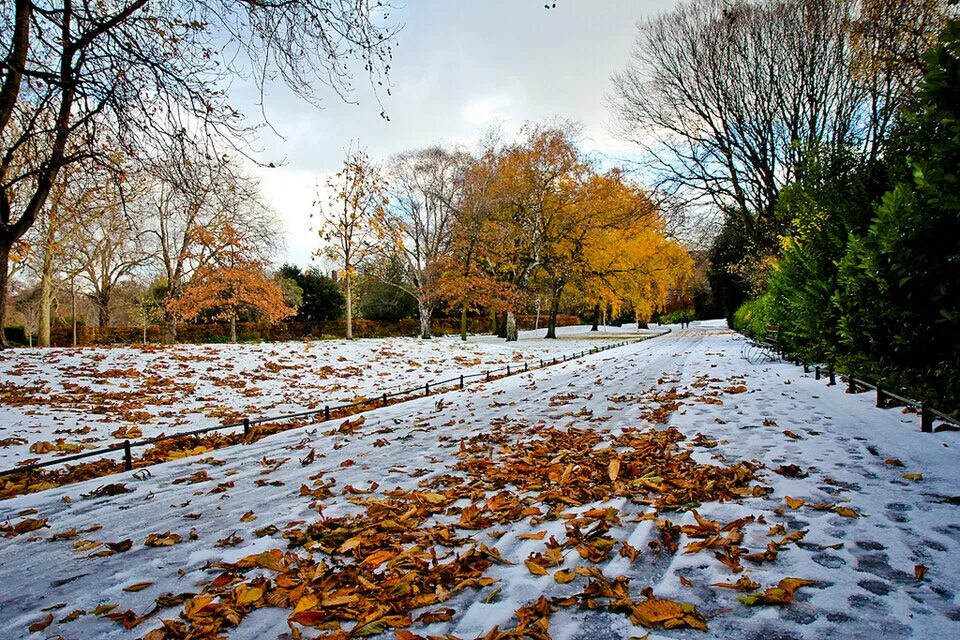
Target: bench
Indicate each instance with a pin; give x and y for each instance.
(768, 349)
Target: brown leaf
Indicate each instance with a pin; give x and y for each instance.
(166, 539)
(613, 469)
(137, 586)
(40, 625)
(919, 571)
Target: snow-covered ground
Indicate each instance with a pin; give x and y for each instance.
(873, 497)
(57, 401)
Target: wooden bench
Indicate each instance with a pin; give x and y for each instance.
(772, 336)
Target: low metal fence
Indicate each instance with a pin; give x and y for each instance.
(885, 397)
(384, 399)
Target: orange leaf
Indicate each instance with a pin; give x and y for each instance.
(794, 503)
(40, 625)
(613, 469)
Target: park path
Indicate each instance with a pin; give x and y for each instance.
(864, 566)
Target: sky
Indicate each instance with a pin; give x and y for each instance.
(459, 68)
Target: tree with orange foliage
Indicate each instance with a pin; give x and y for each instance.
(233, 281)
(466, 284)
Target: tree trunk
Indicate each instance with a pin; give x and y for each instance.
(511, 328)
(502, 333)
(425, 311)
(103, 307)
(233, 329)
(349, 306)
(46, 305)
(170, 327)
(552, 321)
(494, 323)
(4, 275)
(73, 310)
(463, 323)
(596, 318)
(554, 310)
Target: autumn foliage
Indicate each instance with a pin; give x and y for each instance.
(231, 284)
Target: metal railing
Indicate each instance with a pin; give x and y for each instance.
(341, 410)
(884, 396)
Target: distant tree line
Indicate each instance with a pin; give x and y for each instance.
(530, 225)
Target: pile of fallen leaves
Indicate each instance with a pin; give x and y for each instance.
(404, 553)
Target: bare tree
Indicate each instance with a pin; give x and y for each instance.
(355, 199)
(111, 247)
(424, 187)
(727, 99)
(79, 71)
(206, 194)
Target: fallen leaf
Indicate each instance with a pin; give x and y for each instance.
(40, 625)
(794, 503)
(919, 571)
(563, 576)
(613, 469)
(137, 586)
(166, 539)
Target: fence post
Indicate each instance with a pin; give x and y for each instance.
(926, 418)
(833, 378)
(127, 456)
(461, 381)
(384, 399)
(851, 384)
(487, 373)
(881, 403)
(426, 389)
(816, 371)
(806, 367)
(326, 412)
(525, 365)
(508, 369)
(246, 427)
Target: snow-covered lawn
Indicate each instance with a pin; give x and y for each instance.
(57, 401)
(608, 455)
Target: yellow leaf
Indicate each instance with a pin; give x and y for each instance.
(248, 596)
(794, 503)
(535, 568)
(137, 586)
(308, 601)
(846, 512)
(916, 477)
(563, 576)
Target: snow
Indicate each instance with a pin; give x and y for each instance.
(865, 588)
(92, 397)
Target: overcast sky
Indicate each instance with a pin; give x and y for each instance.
(459, 67)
